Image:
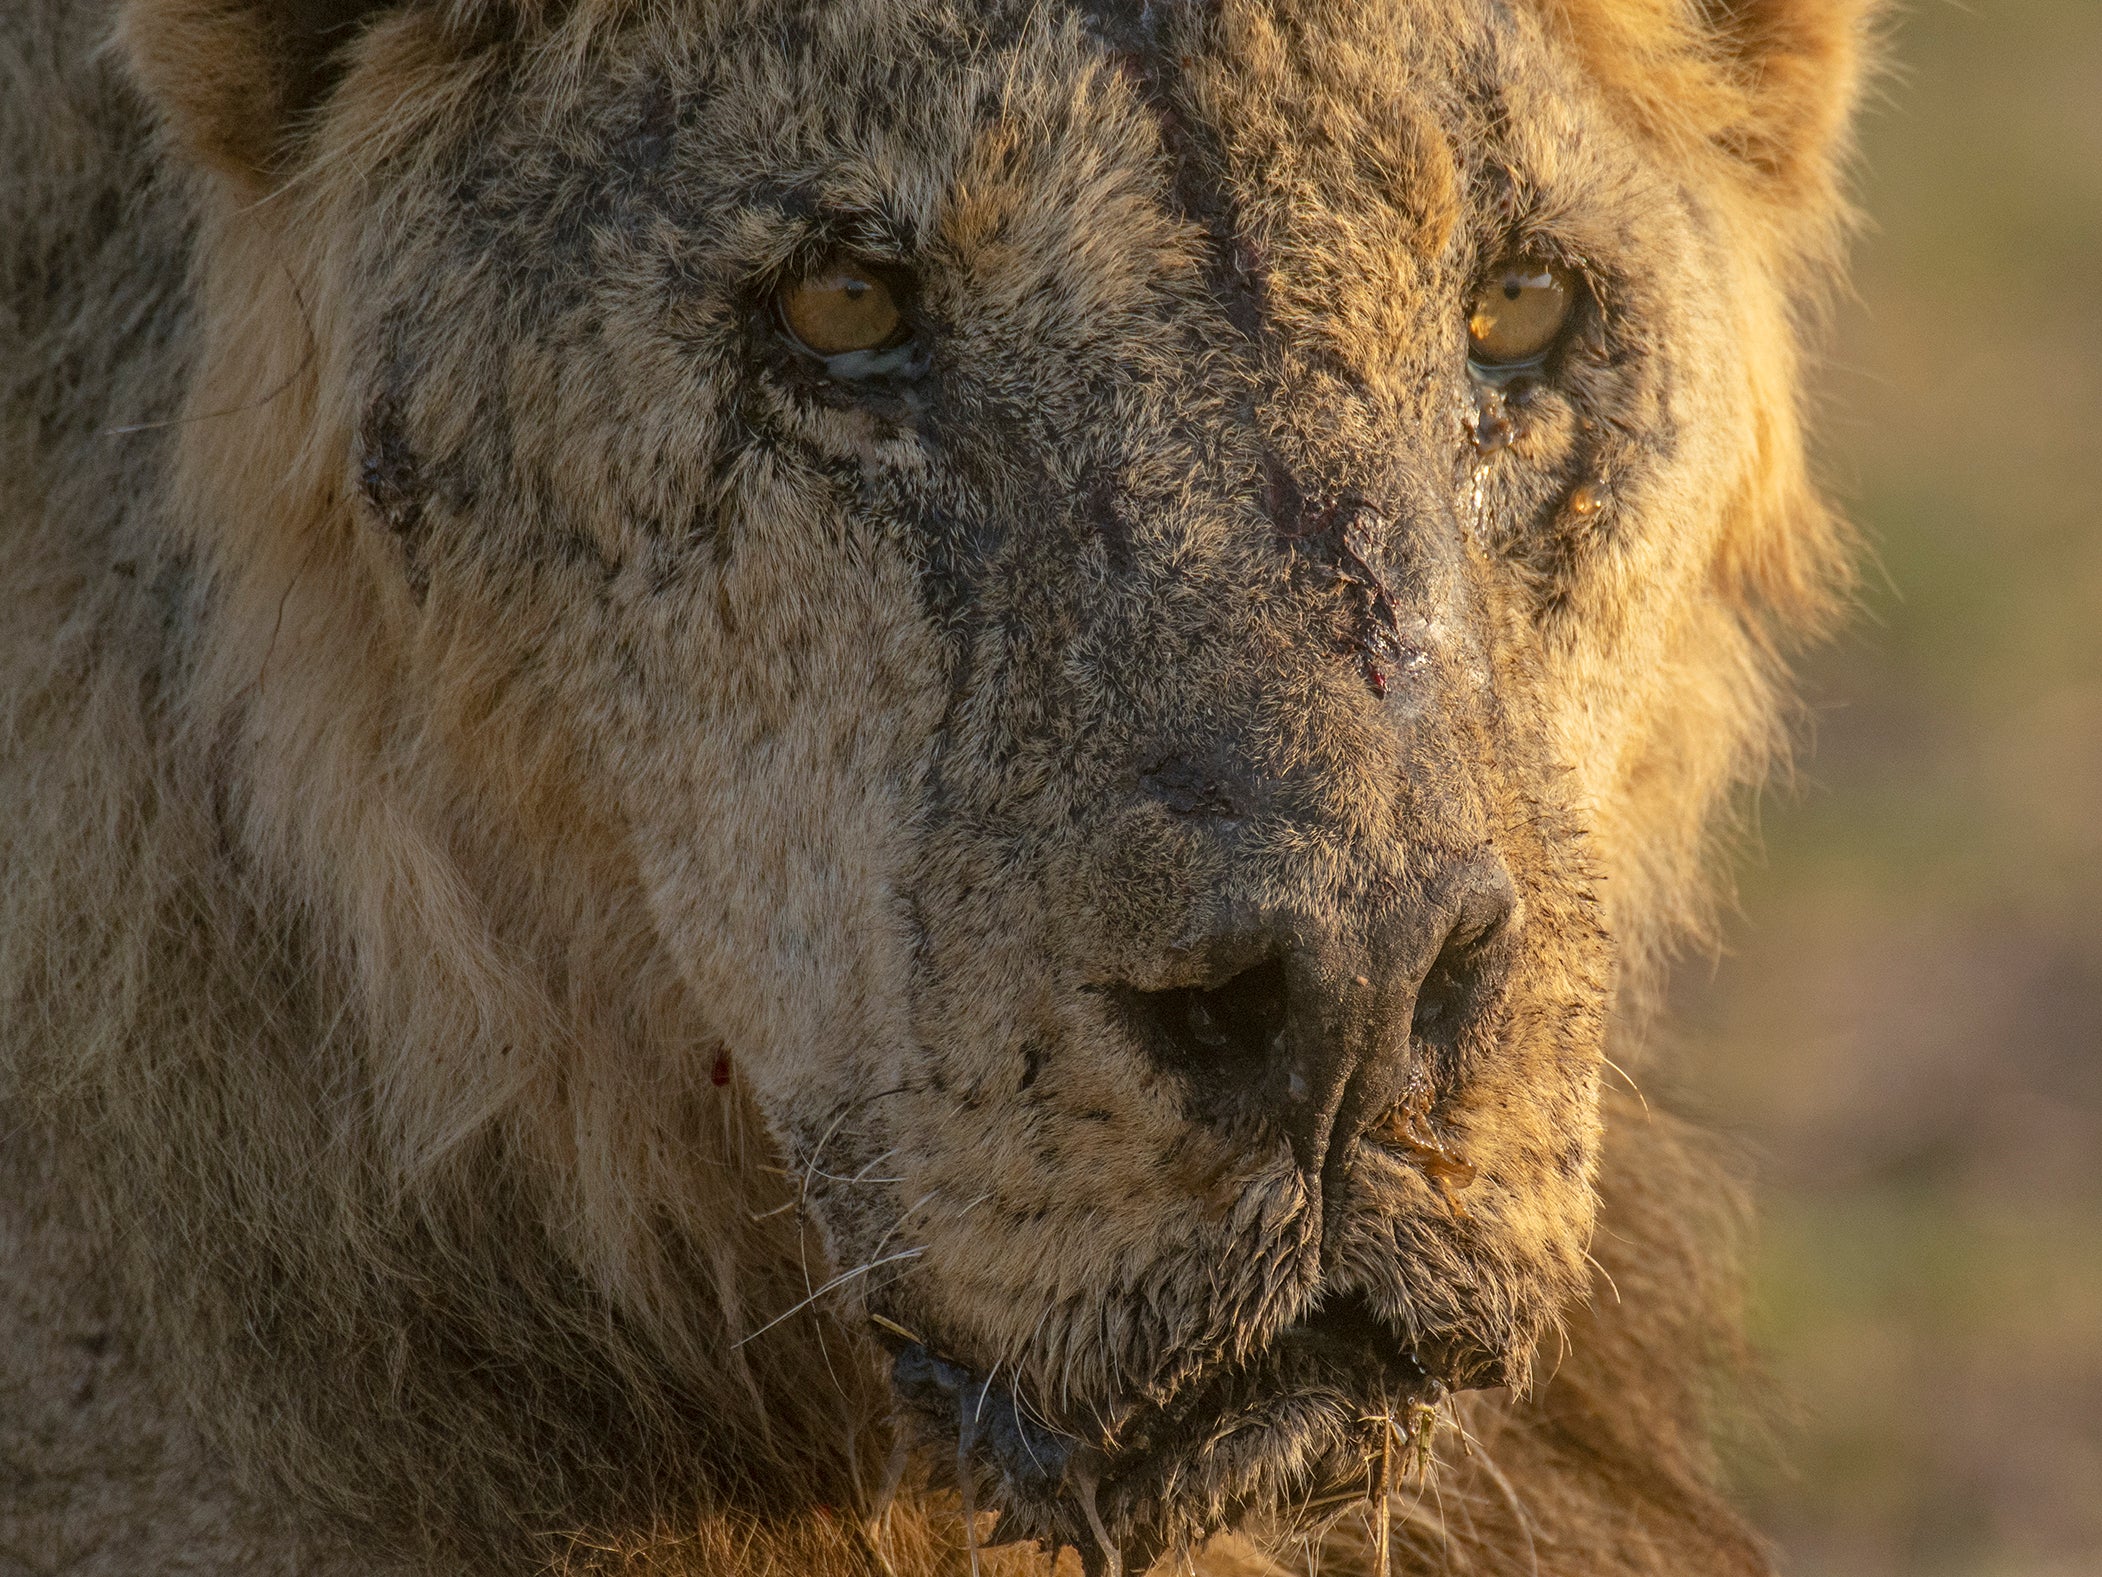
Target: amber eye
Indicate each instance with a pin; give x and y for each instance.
(842, 307)
(1520, 312)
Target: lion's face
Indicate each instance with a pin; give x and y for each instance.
(1123, 739)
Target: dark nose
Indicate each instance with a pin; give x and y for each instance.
(1319, 1036)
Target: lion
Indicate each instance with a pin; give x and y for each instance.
(886, 786)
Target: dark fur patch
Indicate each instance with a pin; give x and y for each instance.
(390, 477)
(1149, 42)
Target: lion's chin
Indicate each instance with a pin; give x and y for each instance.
(1298, 1433)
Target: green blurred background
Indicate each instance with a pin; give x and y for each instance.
(1908, 1025)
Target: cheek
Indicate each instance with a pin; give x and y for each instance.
(1661, 699)
(775, 708)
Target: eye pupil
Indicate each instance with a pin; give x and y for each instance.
(1518, 318)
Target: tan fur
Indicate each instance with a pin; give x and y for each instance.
(461, 697)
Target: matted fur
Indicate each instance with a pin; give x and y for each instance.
(555, 864)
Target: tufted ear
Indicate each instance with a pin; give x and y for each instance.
(236, 81)
(232, 78)
(1797, 67)
(1769, 83)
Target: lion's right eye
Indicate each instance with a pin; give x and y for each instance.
(841, 308)
(1519, 313)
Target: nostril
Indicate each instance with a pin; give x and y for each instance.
(1232, 1032)
(1445, 985)
(1456, 975)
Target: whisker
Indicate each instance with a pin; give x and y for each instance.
(1444, 1526)
(909, 1212)
(858, 1177)
(1595, 1265)
(305, 362)
(894, 1328)
(1383, 1528)
(841, 1279)
(1632, 1085)
(1480, 1454)
(884, 1538)
(863, 1174)
(966, 1478)
(1084, 1486)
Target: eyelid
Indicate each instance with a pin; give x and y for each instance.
(907, 360)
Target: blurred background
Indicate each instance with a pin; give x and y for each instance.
(1908, 1025)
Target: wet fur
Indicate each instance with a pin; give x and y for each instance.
(361, 1038)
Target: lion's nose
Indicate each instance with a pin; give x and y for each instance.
(1319, 1036)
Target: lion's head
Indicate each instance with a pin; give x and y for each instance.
(973, 711)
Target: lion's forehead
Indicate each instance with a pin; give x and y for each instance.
(1015, 136)
(1067, 178)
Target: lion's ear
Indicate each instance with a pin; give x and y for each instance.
(232, 78)
(1770, 82)
(1796, 65)
(236, 80)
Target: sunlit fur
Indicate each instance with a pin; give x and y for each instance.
(474, 870)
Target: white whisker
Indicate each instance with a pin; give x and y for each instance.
(840, 1279)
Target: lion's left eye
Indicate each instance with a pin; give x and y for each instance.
(842, 308)
(1520, 312)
